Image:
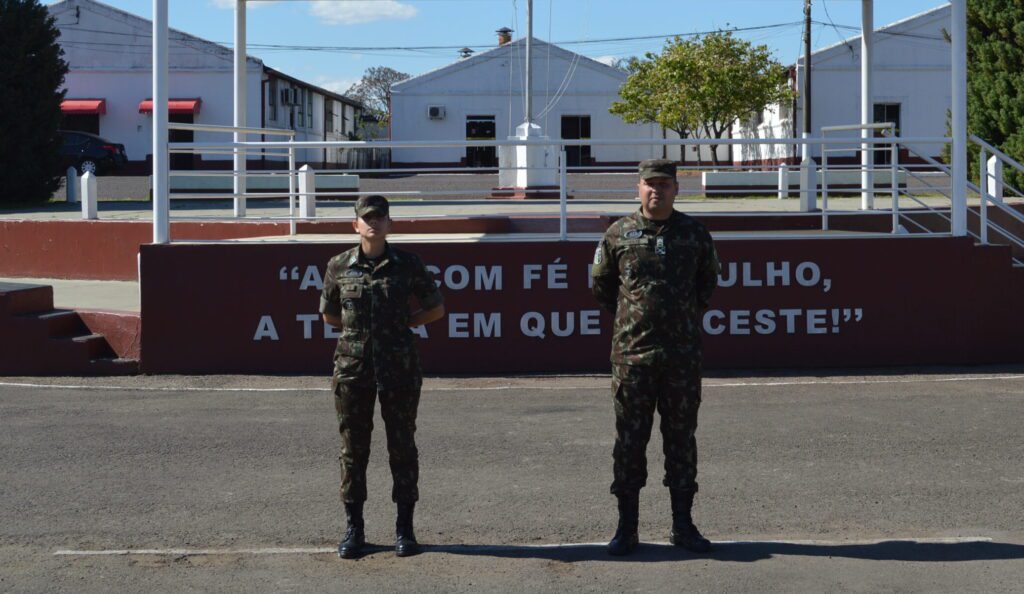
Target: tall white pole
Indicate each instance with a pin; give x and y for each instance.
(959, 117)
(161, 209)
(867, 177)
(529, 60)
(240, 80)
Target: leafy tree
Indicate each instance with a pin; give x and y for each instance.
(702, 85)
(374, 90)
(995, 81)
(30, 95)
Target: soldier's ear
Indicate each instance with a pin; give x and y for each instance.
(355, 224)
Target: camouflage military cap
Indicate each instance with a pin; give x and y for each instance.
(375, 204)
(652, 168)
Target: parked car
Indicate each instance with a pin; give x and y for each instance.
(88, 152)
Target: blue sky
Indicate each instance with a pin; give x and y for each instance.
(458, 23)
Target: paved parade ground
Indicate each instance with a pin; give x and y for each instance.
(906, 480)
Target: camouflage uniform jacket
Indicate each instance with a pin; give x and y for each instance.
(373, 302)
(656, 277)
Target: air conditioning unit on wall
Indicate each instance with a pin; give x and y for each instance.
(435, 112)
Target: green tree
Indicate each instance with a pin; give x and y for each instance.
(995, 79)
(31, 74)
(374, 90)
(702, 85)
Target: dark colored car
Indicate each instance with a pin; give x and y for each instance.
(88, 152)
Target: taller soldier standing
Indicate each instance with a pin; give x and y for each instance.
(366, 294)
(655, 271)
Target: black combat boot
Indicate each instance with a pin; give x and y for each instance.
(684, 533)
(405, 541)
(626, 536)
(355, 537)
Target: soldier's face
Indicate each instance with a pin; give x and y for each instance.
(372, 227)
(657, 195)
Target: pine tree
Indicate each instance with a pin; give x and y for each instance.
(32, 72)
(995, 80)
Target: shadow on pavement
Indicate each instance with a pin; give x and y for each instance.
(746, 552)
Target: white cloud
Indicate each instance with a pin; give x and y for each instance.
(607, 60)
(360, 11)
(338, 85)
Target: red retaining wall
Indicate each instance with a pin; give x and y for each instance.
(526, 306)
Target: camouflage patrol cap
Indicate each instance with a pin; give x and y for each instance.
(375, 204)
(652, 168)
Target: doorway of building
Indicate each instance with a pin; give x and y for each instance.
(181, 160)
(886, 113)
(576, 128)
(481, 127)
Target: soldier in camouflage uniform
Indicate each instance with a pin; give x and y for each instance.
(366, 295)
(655, 271)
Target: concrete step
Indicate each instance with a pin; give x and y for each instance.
(96, 346)
(63, 323)
(19, 298)
(115, 366)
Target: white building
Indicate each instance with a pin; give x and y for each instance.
(911, 88)
(481, 97)
(109, 90)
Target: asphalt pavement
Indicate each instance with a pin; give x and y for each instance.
(885, 480)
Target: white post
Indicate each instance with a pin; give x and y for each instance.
(307, 192)
(71, 184)
(291, 189)
(161, 172)
(894, 184)
(89, 196)
(783, 181)
(867, 109)
(959, 117)
(528, 100)
(563, 223)
(995, 179)
(240, 81)
(824, 185)
(984, 187)
(808, 180)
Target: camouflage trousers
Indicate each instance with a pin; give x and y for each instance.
(675, 392)
(354, 403)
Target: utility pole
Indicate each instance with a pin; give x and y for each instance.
(529, 59)
(808, 168)
(807, 67)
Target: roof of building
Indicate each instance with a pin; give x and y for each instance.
(336, 96)
(500, 51)
(900, 27)
(190, 40)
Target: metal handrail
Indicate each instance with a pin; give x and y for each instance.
(231, 129)
(1006, 158)
(553, 142)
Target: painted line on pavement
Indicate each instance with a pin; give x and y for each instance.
(178, 552)
(527, 388)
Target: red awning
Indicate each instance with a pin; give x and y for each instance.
(174, 106)
(84, 106)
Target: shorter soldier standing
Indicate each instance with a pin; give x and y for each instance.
(366, 294)
(655, 271)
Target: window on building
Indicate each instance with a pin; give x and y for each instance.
(309, 108)
(272, 98)
(886, 113)
(84, 122)
(576, 128)
(328, 115)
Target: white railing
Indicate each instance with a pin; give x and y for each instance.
(576, 186)
(991, 188)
